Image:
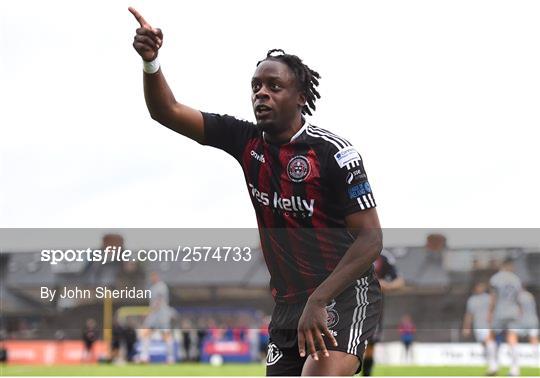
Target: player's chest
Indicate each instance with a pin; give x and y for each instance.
(293, 168)
(289, 179)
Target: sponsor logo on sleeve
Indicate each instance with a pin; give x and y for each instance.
(358, 190)
(357, 174)
(346, 156)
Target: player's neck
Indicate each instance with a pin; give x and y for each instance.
(286, 135)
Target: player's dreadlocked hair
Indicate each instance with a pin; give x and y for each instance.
(306, 78)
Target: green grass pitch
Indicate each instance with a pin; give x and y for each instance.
(190, 369)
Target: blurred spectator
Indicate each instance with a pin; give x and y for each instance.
(116, 340)
(130, 339)
(3, 349)
(189, 340)
(202, 333)
(407, 330)
(89, 337)
(3, 353)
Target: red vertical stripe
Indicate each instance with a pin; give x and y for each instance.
(320, 220)
(298, 251)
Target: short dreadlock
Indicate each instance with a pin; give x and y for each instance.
(306, 78)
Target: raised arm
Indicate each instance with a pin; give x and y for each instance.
(160, 100)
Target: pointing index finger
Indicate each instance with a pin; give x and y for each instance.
(139, 18)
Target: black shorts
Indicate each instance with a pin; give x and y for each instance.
(352, 317)
(377, 334)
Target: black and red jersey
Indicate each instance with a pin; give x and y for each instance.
(301, 191)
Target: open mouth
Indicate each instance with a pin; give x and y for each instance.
(262, 110)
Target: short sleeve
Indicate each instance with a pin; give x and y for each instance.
(351, 183)
(469, 306)
(227, 133)
(493, 282)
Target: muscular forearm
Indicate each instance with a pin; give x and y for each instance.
(356, 261)
(159, 97)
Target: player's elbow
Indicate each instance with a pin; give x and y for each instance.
(163, 118)
(373, 240)
(157, 115)
(160, 112)
(376, 237)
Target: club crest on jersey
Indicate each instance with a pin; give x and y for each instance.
(333, 316)
(298, 168)
(273, 355)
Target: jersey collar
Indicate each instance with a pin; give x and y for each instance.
(299, 132)
(296, 135)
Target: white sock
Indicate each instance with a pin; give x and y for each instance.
(145, 349)
(514, 363)
(170, 350)
(491, 349)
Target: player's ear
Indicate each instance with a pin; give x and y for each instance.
(302, 99)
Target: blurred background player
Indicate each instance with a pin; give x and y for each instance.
(159, 319)
(89, 337)
(476, 315)
(529, 319)
(407, 330)
(130, 339)
(504, 315)
(116, 340)
(386, 272)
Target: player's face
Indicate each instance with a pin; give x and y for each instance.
(480, 288)
(275, 96)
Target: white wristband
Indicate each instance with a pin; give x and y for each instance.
(151, 67)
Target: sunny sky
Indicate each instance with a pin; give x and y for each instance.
(441, 99)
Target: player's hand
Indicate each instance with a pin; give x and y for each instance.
(385, 286)
(466, 332)
(148, 40)
(311, 328)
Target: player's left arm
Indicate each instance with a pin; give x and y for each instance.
(492, 302)
(356, 261)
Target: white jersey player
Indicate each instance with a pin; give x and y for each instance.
(504, 315)
(159, 318)
(529, 317)
(476, 315)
